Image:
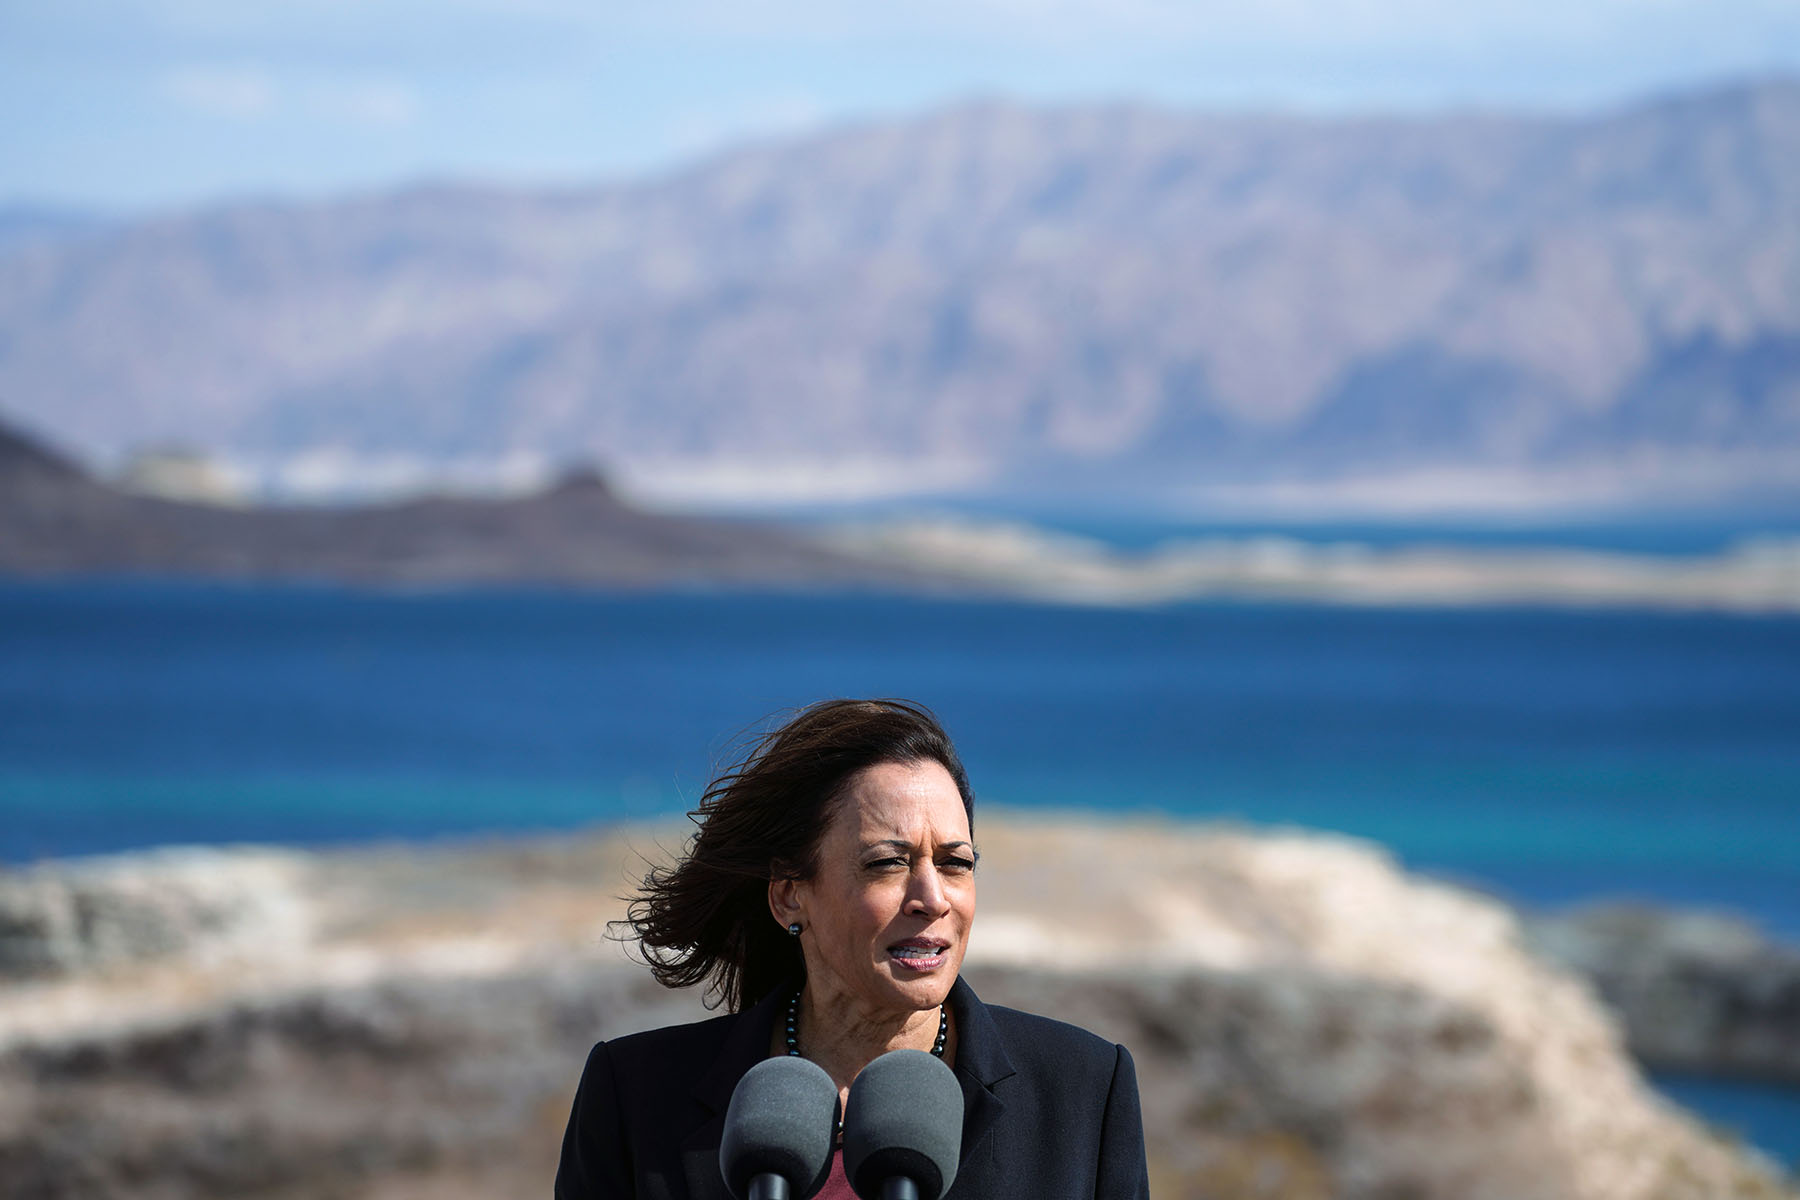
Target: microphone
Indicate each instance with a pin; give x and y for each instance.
(778, 1131)
(903, 1128)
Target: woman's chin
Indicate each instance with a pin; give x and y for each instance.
(922, 989)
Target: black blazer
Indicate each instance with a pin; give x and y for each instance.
(1049, 1110)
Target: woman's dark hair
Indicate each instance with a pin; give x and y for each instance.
(707, 918)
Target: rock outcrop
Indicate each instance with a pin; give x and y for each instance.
(1695, 991)
(194, 904)
(1307, 1020)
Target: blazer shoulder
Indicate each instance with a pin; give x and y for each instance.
(1032, 1037)
(659, 1047)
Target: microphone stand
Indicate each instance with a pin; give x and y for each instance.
(770, 1186)
(899, 1187)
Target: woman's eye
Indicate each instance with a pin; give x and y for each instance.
(884, 863)
(958, 864)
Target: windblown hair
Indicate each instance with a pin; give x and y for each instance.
(706, 919)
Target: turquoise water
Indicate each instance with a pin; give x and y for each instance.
(1759, 1114)
(1544, 753)
(1548, 756)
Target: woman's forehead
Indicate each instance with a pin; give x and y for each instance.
(908, 801)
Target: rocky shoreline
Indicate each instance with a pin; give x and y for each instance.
(1694, 991)
(1309, 1021)
(1754, 576)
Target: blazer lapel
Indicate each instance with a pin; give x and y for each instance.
(981, 1063)
(747, 1045)
(700, 1161)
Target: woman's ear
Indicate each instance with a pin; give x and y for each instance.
(785, 904)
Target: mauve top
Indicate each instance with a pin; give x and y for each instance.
(837, 1186)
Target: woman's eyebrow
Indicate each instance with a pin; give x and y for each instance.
(900, 844)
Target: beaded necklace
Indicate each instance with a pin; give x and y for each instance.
(793, 1027)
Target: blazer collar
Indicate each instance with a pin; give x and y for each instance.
(978, 1049)
(981, 1062)
(745, 1045)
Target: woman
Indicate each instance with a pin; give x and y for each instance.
(827, 899)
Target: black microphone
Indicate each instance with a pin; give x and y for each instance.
(778, 1131)
(903, 1128)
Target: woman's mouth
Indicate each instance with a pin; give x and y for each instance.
(920, 954)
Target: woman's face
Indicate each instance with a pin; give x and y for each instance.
(886, 919)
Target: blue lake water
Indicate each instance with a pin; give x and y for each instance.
(1550, 754)
(1759, 1114)
(1547, 755)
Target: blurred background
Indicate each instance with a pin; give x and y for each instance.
(453, 421)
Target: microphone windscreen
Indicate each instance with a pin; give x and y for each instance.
(904, 1117)
(780, 1121)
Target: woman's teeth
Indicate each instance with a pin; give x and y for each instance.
(913, 952)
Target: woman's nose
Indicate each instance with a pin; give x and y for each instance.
(927, 897)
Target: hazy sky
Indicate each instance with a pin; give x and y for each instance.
(132, 104)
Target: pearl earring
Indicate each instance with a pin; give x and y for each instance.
(794, 929)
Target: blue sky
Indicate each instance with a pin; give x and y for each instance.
(131, 105)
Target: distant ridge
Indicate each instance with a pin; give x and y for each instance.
(24, 459)
(57, 521)
(993, 299)
(24, 225)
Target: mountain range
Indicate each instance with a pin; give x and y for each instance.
(990, 299)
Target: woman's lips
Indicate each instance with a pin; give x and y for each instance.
(920, 954)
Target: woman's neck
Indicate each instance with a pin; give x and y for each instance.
(844, 1036)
